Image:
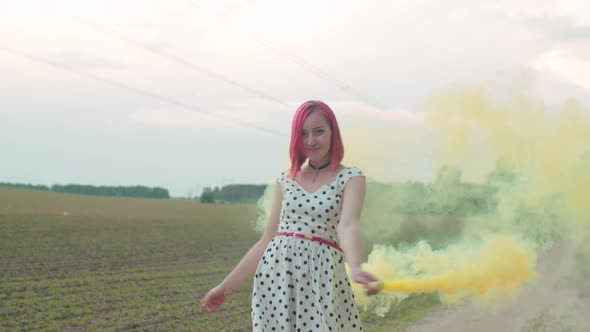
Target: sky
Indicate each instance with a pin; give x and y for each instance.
(188, 94)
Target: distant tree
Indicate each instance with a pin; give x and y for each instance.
(241, 193)
(503, 174)
(134, 191)
(207, 197)
(158, 192)
(448, 175)
(217, 194)
(25, 186)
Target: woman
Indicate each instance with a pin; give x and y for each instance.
(300, 281)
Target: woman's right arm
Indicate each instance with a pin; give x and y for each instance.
(248, 264)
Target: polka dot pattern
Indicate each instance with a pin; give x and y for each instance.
(302, 285)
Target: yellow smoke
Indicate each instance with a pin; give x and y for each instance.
(493, 273)
(497, 269)
(485, 131)
(549, 148)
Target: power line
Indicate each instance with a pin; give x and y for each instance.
(295, 58)
(159, 97)
(179, 60)
(136, 90)
(299, 60)
(322, 74)
(317, 71)
(212, 74)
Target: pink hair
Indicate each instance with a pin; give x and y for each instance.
(296, 147)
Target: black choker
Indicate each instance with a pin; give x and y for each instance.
(317, 169)
(321, 167)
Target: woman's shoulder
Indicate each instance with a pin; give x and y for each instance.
(283, 174)
(347, 173)
(350, 170)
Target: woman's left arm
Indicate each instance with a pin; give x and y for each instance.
(349, 229)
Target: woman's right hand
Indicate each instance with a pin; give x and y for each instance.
(213, 300)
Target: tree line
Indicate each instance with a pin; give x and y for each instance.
(233, 193)
(447, 195)
(83, 189)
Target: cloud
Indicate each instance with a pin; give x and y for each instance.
(249, 113)
(561, 20)
(74, 58)
(569, 62)
(560, 27)
(393, 114)
(169, 118)
(579, 9)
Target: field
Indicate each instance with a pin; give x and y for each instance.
(78, 263)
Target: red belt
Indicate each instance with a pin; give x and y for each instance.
(312, 238)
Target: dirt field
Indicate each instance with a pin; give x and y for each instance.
(80, 263)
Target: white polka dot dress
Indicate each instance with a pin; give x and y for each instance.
(301, 285)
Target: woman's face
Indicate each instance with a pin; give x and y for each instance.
(317, 138)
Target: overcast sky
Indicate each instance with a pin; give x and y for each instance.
(186, 94)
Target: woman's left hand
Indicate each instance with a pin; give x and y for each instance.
(364, 278)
